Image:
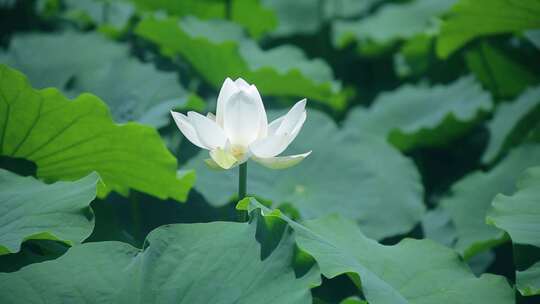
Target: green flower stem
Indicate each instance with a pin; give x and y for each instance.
(228, 9)
(242, 186)
(242, 181)
(136, 217)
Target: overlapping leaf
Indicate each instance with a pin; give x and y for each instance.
(68, 139)
(307, 17)
(510, 122)
(438, 226)
(30, 209)
(413, 271)
(528, 281)
(470, 19)
(347, 176)
(519, 215)
(91, 63)
(111, 17)
(392, 22)
(184, 263)
(342, 9)
(534, 37)
(217, 49)
(294, 17)
(471, 197)
(414, 116)
(413, 58)
(7, 3)
(498, 72)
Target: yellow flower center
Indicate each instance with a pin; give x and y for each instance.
(238, 151)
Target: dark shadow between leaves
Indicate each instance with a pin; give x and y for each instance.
(20, 166)
(131, 219)
(32, 251)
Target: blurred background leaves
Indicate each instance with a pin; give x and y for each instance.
(421, 113)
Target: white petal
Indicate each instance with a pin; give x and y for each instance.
(241, 121)
(187, 129)
(209, 133)
(297, 128)
(263, 120)
(274, 125)
(241, 84)
(291, 119)
(252, 91)
(276, 142)
(227, 90)
(281, 162)
(211, 116)
(270, 146)
(223, 158)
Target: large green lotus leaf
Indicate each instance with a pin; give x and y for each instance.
(220, 262)
(347, 176)
(511, 121)
(254, 15)
(91, 63)
(413, 116)
(470, 19)
(471, 198)
(217, 49)
(412, 272)
(30, 209)
(519, 216)
(68, 139)
(392, 22)
(503, 76)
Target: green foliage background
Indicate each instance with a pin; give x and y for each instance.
(423, 185)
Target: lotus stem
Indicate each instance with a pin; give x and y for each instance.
(242, 181)
(242, 186)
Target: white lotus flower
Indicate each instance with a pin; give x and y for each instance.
(240, 129)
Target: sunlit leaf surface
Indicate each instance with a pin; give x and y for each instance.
(470, 19)
(68, 139)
